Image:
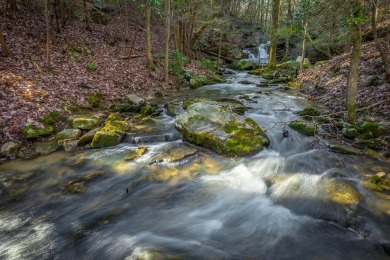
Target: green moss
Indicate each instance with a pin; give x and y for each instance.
(372, 130)
(136, 153)
(191, 101)
(278, 81)
(34, 132)
(379, 182)
(147, 110)
(309, 112)
(303, 127)
(95, 99)
(350, 133)
(343, 150)
(111, 134)
(124, 107)
(85, 122)
(51, 118)
(171, 109)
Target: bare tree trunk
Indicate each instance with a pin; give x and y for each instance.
(86, 16)
(274, 32)
(301, 65)
(167, 35)
(353, 75)
(374, 18)
(4, 47)
(285, 57)
(48, 41)
(219, 51)
(150, 63)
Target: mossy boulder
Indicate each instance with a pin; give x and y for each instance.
(146, 110)
(242, 65)
(67, 134)
(124, 107)
(306, 62)
(229, 103)
(215, 127)
(309, 112)
(136, 153)
(34, 132)
(174, 152)
(303, 127)
(88, 137)
(135, 100)
(111, 134)
(372, 130)
(171, 109)
(85, 122)
(370, 143)
(199, 80)
(350, 132)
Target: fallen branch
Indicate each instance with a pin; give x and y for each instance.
(130, 57)
(216, 55)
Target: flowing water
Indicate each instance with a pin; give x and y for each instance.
(278, 204)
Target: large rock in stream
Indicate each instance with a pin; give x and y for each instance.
(227, 133)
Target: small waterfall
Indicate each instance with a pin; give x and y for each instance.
(262, 56)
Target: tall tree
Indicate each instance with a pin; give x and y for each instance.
(374, 19)
(150, 63)
(4, 47)
(353, 75)
(274, 32)
(167, 36)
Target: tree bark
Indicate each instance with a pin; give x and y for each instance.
(167, 36)
(285, 57)
(274, 31)
(219, 51)
(303, 46)
(374, 18)
(353, 74)
(150, 63)
(4, 47)
(86, 16)
(48, 41)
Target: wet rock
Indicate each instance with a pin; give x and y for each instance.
(88, 137)
(344, 150)
(245, 97)
(303, 127)
(215, 127)
(70, 145)
(309, 112)
(279, 80)
(148, 139)
(34, 132)
(306, 62)
(174, 152)
(245, 82)
(136, 100)
(370, 143)
(171, 109)
(191, 101)
(79, 183)
(264, 84)
(111, 134)
(242, 65)
(85, 122)
(10, 149)
(380, 182)
(47, 147)
(147, 110)
(341, 193)
(136, 153)
(199, 80)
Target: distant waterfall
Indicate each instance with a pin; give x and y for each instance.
(261, 57)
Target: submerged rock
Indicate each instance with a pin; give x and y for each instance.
(174, 152)
(344, 150)
(79, 183)
(215, 127)
(136, 153)
(111, 134)
(303, 127)
(380, 182)
(85, 122)
(171, 109)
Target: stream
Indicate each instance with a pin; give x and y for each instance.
(273, 205)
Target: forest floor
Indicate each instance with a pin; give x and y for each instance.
(28, 91)
(327, 83)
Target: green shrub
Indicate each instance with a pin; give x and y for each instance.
(207, 64)
(176, 64)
